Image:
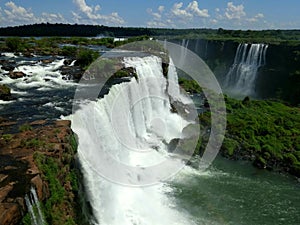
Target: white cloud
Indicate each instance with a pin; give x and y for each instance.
(161, 8)
(214, 21)
(193, 7)
(234, 12)
(52, 18)
(236, 17)
(256, 18)
(177, 11)
(13, 15)
(89, 14)
(156, 15)
(177, 14)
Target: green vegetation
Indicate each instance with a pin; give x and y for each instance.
(190, 86)
(286, 37)
(25, 127)
(51, 171)
(263, 131)
(13, 43)
(266, 132)
(4, 89)
(34, 143)
(7, 137)
(5, 93)
(62, 178)
(69, 51)
(73, 143)
(85, 57)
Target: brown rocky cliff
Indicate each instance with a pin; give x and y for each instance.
(19, 170)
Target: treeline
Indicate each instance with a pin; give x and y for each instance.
(47, 29)
(67, 30)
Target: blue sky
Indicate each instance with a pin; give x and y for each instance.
(231, 14)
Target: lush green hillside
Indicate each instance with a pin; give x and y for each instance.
(265, 132)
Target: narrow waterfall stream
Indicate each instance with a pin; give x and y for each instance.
(34, 208)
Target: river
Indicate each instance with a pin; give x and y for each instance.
(228, 192)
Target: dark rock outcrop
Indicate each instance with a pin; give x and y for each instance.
(16, 74)
(7, 65)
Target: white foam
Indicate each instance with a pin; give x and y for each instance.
(119, 124)
(43, 77)
(18, 92)
(9, 55)
(5, 102)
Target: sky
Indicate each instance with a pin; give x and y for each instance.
(227, 14)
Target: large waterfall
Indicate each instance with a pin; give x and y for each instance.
(134, 115)
(241, 78)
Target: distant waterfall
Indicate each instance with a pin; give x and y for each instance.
(241, 78)
(34, 208)
(184, 49)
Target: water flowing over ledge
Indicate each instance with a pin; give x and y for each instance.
(241, 77)
(121, 136)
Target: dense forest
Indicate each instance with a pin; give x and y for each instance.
(47, 29)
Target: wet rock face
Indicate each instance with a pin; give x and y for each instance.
(18, 169)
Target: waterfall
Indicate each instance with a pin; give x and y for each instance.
(241, 77)
(34, 208)
(184, 49)
(132, 125)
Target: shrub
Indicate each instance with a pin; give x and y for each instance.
(230, 145)
(13, 43)
(69, 51)
(25, 127)
(7, 137)
(85, 57)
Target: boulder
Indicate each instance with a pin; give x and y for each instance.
(27, 54)
(47, 61)
(8, 67)
(16, 74)
(68, 62)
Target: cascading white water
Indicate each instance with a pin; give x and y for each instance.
(34, 208)
(142, 106)
(241, 77)
(184, 49)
